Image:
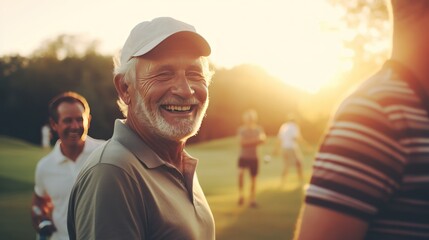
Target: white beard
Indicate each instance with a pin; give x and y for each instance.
(153, 120)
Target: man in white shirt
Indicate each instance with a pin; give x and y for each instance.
(56, 172)
(288, 137)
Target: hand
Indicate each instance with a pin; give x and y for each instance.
(46, 228)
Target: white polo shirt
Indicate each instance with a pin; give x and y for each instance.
(288, 134)
(55, 176)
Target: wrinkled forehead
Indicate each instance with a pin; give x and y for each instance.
(174, 61)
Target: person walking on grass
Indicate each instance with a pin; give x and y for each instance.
(288, 143)
(250, 135)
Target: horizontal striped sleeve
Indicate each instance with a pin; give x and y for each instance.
(373, 163)
(360, 156)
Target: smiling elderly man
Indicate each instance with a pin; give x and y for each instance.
(142, 184)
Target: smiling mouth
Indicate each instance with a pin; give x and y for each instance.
(178, 108)
(75, 133)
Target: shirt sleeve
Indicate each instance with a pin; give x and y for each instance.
(105, 204)
(360, 161)
(39, 188)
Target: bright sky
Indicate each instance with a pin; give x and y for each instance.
(285, 37)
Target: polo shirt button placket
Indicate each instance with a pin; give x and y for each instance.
(179, 177)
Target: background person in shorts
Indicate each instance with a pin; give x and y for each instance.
(250, 135)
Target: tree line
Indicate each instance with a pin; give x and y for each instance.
(28, 83)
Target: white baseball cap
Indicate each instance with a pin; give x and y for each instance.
(146, 35)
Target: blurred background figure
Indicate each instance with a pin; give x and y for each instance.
(250, 135)
(69, 116)
(46, 136)
(371, 175)
(288, 142)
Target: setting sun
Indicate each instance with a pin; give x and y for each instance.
(291, 40)
(308, 56)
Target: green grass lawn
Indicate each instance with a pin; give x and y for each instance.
(274, 218)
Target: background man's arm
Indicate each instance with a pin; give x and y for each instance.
(41, 215)
(322, 223)
(252, 141)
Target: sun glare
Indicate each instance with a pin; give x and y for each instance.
(292, 40)
(309, 56)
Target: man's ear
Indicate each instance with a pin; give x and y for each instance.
(122, 88)
(53, 124)
(89, 120)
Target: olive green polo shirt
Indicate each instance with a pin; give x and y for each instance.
(125, 191)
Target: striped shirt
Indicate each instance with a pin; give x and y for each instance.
(374, 161)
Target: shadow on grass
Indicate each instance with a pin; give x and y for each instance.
(274, 218)
(8, 185)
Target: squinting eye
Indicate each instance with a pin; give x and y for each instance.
(164, 75)
(194, 75)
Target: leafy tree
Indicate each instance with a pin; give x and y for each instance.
(27, 84)
(367, 36)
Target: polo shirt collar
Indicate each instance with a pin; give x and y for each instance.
(127, 137)
(59, 156)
